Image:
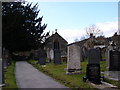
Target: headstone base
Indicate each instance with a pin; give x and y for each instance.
(2, 85)
(113, 75)
(93, 73)
(73, 71)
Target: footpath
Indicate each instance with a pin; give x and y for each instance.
(29, 77)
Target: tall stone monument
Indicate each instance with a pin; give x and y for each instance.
(57, 54)
(73, 59)
(113, 62)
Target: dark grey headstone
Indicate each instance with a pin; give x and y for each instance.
(42, 61)
(114, 60)
(94, 56)
(42, 57)
(3, 78)
(57, 56)
(93, 66)
(93, 73)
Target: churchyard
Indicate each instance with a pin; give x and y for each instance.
(75, 71)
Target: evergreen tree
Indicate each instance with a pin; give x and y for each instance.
(21, 26)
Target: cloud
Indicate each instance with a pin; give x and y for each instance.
(108, 29)
(71, 34)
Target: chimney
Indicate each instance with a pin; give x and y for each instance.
(91, 35)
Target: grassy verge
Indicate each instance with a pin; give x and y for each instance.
(116, 83)
(59, 74)
(72, 81)
(103, 69)
(103, 66)
(10, 79)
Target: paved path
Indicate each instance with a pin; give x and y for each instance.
(29, 77)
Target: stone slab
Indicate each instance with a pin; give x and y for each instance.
(73, 59)
(114, 75)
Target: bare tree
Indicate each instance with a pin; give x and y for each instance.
(93, 30)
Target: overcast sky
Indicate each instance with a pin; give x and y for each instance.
(71, 18)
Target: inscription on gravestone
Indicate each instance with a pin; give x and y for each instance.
(93, 73)
(94, 56)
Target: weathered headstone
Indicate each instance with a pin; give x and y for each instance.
(114, 60)
(48, 55)
(84, 52)
(94, 56)
(42, 56)
(113, 63)
(0, 66)
(57, 56)
(36, 55)
(2, 81)
(93, 66)
(51, 55)
(73, 59)
(5, 57)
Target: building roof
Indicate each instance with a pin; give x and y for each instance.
(53, 36)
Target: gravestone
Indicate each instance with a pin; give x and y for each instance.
(2, 81)
(73, 59)
(48, 55)
(36, 55)
(57, 56)
(93, 66)
(42, 56)
(94, 56)
(1, 66)
(5, 57)
(114, 60)
(113, 63)
(51, 55)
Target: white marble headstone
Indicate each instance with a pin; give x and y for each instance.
(73, 59)
(51, 54)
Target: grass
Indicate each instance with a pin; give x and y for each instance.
(103, 66)
(103, 69)
(59, 74)
(116, 83)
(10, 79)
(72, 81)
